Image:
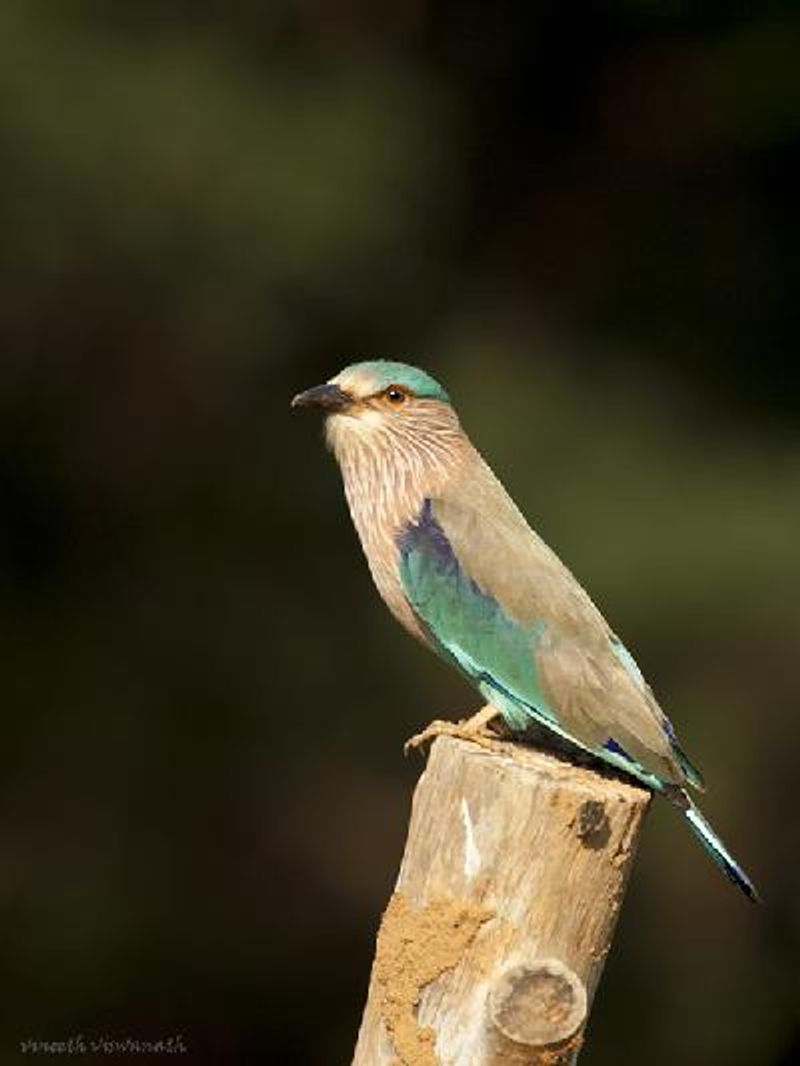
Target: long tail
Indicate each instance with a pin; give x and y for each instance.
(715, 848)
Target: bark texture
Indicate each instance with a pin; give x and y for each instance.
(492, 945)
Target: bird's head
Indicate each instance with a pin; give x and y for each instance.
(380, 403)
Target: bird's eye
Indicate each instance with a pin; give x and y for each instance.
(395, 395)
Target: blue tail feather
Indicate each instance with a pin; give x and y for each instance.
(718, 852)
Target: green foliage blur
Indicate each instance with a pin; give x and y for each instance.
(584, 219)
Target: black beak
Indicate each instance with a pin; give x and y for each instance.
(329, 398)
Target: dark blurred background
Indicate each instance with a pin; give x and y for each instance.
(584, 219)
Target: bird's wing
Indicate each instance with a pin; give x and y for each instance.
(494, 599)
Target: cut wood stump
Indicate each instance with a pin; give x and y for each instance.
(492, 945)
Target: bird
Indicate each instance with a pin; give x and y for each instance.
(460, 568)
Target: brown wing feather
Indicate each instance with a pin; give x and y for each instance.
(594, 695)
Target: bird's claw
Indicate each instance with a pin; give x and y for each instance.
(437, 728)
(473, 729)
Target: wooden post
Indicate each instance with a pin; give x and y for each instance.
(493, 942)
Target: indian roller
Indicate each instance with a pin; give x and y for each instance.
(460, 568)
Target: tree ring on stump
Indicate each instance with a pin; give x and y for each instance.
(539, 1004)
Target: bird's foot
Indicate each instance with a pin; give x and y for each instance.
(473, 729)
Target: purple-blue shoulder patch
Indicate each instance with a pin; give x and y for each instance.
(426, 534)
(616, 749)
